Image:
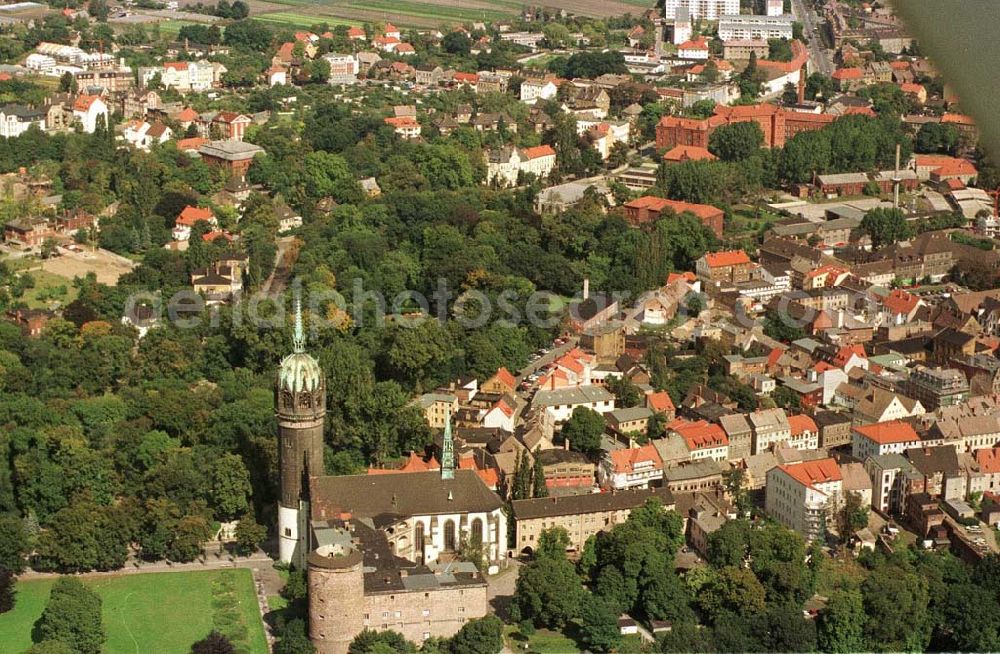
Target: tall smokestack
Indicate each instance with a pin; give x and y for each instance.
(896, 179)
(802, 85)
(586, 288)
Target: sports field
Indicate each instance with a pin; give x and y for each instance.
(424, 13)
(156, 612)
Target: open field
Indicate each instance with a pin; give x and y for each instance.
(424, 13)
(49, 287)
(156, 612)
(105, 265)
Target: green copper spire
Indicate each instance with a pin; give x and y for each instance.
(447, 450)
(298, 338)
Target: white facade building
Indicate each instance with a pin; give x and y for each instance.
(745, 27)
(534, 90)
(802, 496)
(561, 402)
(706, 9)
(16, 119)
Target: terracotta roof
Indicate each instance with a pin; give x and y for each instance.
(506, 378)
(176, 65)
(659, 204)
(192, 143)
(694, 44)
(886, 433)
(988, 460)
(801, 424)
(909, 87)
(190, 215)
(401, 121)
(900, 302)
(845, 352)
(84, 102)
(469, 78)
(505, 408)
(701, 435)
(626, 460)
(688, 153)
(355, 32)
(957, 168)
(405, 47)
(899, 65)
(809, 473)
(726, 258)
(686, 276)
(660, 402)
(187, 115)
(958, 119)
(847, 73)
(538, 151)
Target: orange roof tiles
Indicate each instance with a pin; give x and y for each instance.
(801, 424)
(847, 74)
(660, 402)
(958, 119)
(539, 151)
(505, 377)
(988, 460)
(887, 433)
(625, 460)
(83, 102)
(190, 215)
(192, 143)
(187, 115)
(688, 153)
(810, 473)
(900, 302)
(726, 258)
(701, 435)
(686, 276)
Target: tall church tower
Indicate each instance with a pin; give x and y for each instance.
(300, 398)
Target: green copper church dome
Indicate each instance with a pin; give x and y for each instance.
(299, 371)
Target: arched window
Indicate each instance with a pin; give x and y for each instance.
(476, 534)
(449, 536)
(418, 543)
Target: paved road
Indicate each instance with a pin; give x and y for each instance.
(549, 357)
(820, 59)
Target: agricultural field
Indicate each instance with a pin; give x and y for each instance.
(423, 13)
(171, 609)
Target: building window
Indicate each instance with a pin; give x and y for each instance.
(385, 614)
(427, 635)
(288, 532)
(426, 612)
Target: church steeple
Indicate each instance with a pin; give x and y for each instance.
(447, 450)
(300, 399)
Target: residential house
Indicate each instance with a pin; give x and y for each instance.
(804, 496)
(505, 166)
(633, 467)
(729, 267)
(882, 438)
(561, 402)
(648, 209)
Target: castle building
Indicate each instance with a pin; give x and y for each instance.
(381, 551)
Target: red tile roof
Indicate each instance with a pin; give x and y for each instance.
(686, 276)
(886, 433)
(909, 87)
(192, 143)
(988, 460)
(801, 424)
(810, 473)
(468, 78)
(701, 435)
(726, 258)
(900, 302)
(688, 153)
(505, 408)
(845, 353)
(538, 151)
(656, 204)
(187, 115)
(660, 402)
(958, 119)
(506, 378)
(694, 44)
(625, 460)
(847, 74)
(176, 65)
(84, 102)
(190, 215)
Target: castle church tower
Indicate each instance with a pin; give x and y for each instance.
(300, 398)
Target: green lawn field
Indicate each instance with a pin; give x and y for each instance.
(157, 612)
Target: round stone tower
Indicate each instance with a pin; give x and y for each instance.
(336, 598)
(300, 398)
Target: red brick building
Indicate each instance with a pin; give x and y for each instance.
(647, 209)
(778, 125)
